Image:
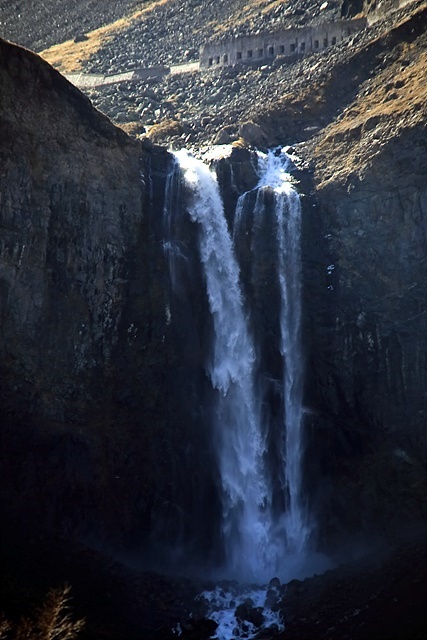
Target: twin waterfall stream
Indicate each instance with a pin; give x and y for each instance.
(265, 527)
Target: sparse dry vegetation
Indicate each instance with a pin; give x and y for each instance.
(69, 56)
(396, 98)
(132, 128)
(52, 621)
(164, 129)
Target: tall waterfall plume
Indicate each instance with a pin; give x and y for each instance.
(288, 220)
(259, 539)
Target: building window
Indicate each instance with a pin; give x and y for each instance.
(302, 46)
(271, 51)
(325, 42)
(260, 53)
(292, 48)
(210, 62)
(218, 59)
(249, 53)
(225, 57)
(282, 48)
(334, 40)
(316, 44)
(239, 55)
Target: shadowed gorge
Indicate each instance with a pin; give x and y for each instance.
(213, 362)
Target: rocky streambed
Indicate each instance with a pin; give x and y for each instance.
(379, 595)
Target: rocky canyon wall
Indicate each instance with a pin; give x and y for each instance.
(366, 330)
(97, 422)
(103, 398)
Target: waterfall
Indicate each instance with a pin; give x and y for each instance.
(259, 539)
(288, 219)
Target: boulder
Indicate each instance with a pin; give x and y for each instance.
(222, 137)
(246, 612)
(253, 134)
(80, 37)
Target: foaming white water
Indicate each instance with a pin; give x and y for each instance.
(223, 602)
(259, 542)
(240, 443)
(288, 216)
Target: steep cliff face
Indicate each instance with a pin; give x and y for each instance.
(367, 337)
(72, 203)
(366, 274)
(89, 445)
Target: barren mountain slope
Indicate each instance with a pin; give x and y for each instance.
(40, 24)
(376, 79)
(167, 29)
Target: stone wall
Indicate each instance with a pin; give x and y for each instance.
(288, 42)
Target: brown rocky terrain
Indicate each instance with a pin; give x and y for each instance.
(43, 24)
(151, 32)
(209, 107)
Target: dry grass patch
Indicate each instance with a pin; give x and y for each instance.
(396, 91)
(133, 128)
(393, 100)
(164, 130)
(69, 56)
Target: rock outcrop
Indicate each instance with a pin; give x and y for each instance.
(366, 272)
(89, 445)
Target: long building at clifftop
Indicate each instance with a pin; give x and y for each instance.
(265, 46)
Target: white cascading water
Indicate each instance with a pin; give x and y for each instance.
(288, 217)
(259, 543)
(239, 440)
(256, 544)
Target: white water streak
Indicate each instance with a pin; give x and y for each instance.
(288, 214)
(292, 532)
(257, 543)
(241, 445)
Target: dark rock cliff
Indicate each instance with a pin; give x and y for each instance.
(96, 421)
(366, 268)
(103, 436)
